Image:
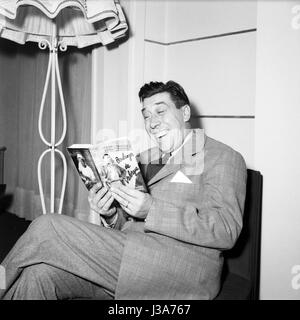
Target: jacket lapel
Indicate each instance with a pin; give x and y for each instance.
(184, 156)
(166, 170)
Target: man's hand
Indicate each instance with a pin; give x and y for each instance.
(100, 199)
(134, 202)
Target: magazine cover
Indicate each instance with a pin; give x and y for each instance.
(112, 163)
(84, 164)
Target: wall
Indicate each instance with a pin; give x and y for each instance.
(215, 44)
(277, 153)
(209, 48)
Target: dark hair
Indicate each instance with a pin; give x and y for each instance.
(175, 90)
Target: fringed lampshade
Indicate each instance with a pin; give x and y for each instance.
(79, 23)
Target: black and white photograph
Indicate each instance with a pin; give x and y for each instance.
(85, 166)
(205, 205)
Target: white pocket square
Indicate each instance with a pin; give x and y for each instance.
(181, 177)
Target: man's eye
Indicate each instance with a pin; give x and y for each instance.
(161, 111)
(146, 116)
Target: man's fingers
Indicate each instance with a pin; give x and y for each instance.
(100, 194)
(123, 202)
(95, 193)
(108, 213)
(129, 191)
(126, 209)
(96, 187)
(103, 207)
(108, 203)
(100, 200)
(124, 193)
(101, 203)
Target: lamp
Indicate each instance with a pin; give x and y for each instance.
(57, 24)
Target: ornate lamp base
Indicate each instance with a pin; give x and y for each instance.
(53, 69)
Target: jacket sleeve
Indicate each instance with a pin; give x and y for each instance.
(216, 220)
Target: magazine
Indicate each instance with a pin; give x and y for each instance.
(110, 163)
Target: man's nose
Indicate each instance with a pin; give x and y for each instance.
(155, 122)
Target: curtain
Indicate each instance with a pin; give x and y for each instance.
(22, 76)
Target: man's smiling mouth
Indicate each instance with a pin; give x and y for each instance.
(160, 135)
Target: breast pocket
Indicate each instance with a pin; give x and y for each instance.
(176, 191)
(185, 190)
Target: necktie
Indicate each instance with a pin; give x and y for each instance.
(156, 166)
(164, 159)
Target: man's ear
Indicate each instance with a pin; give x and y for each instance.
(186, 112)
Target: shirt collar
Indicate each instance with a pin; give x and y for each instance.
(187, 138)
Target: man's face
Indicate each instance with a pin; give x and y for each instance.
(164, 122)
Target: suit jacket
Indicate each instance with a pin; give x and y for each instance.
(176, 253)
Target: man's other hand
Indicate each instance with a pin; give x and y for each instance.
(134, 202)
(101, 199)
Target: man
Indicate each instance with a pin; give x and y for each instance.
(171, 245)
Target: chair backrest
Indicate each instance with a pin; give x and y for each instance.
(244, 258)
(2, 150)
(2, 185)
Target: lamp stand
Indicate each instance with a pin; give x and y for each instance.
(53, 69)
